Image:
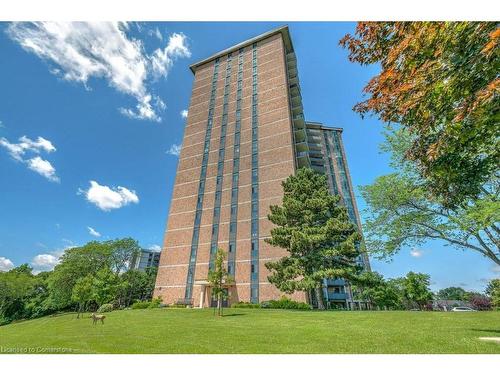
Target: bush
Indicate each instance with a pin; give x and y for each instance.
(107, 307)
(155, 303)
(285, 303)
(140, 305)
(245, 305)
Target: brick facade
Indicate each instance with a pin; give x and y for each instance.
(275, 163)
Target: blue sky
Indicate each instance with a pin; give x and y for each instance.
(107, 102)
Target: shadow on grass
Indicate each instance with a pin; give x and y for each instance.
(233, 314)
(486, 330)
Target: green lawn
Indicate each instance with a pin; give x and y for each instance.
(259, 331)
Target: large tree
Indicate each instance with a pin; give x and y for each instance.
(416, 289)
(16, 286)
(493, 291)
(76, 263)
(82, 292)
(452, 293)
(122, 253)
(316, 231)
(380, 293)
(401, 211)
(440, 81)
(115, 255)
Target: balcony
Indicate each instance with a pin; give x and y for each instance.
(335, 282)
(297, 109)
(300, 135)
(337, 296)
(303, 159)
(298, 121)
(301, 147)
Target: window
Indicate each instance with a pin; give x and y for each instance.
(232, 227)
(254, 245)
(255, 227)
(231, 247)
(234, 209)
(197, 218)
(253, 268)
(195, 235)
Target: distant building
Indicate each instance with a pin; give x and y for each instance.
(245, 134)
(145, 259)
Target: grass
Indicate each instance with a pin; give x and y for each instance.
(259, 331)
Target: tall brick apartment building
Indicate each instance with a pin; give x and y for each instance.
(245, 134)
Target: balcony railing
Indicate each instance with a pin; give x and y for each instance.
(337, 296)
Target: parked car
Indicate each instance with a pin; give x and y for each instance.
(462, 308)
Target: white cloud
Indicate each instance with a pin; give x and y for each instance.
(17, 150)
(174, 150)
(163, 59)
(82, 50)
(109, 198)
(44, 262)
(47, 261)
(184, 113)
(93, 232)
(41, 166)
(416, 253)
(156, 32)
(495, 269)
(6, 264)
(156, 248)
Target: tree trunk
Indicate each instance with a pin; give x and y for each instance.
(219, 304)
(319, 298)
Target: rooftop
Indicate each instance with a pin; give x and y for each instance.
(282, 29)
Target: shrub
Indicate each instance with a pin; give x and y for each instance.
(155, 303)
(285, 303)
(140, 305)
(178, 305)
(107, 307)
(245, 305)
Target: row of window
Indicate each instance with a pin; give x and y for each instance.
(254, 272)
(343, 178)
(233, 226)
(220, 165)
(201, 188)
(330, 163)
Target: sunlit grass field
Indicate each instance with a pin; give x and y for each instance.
(256, 331)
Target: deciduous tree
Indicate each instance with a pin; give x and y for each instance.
(416, 289)
(401, 212)
(440, 81)
(218, 277)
